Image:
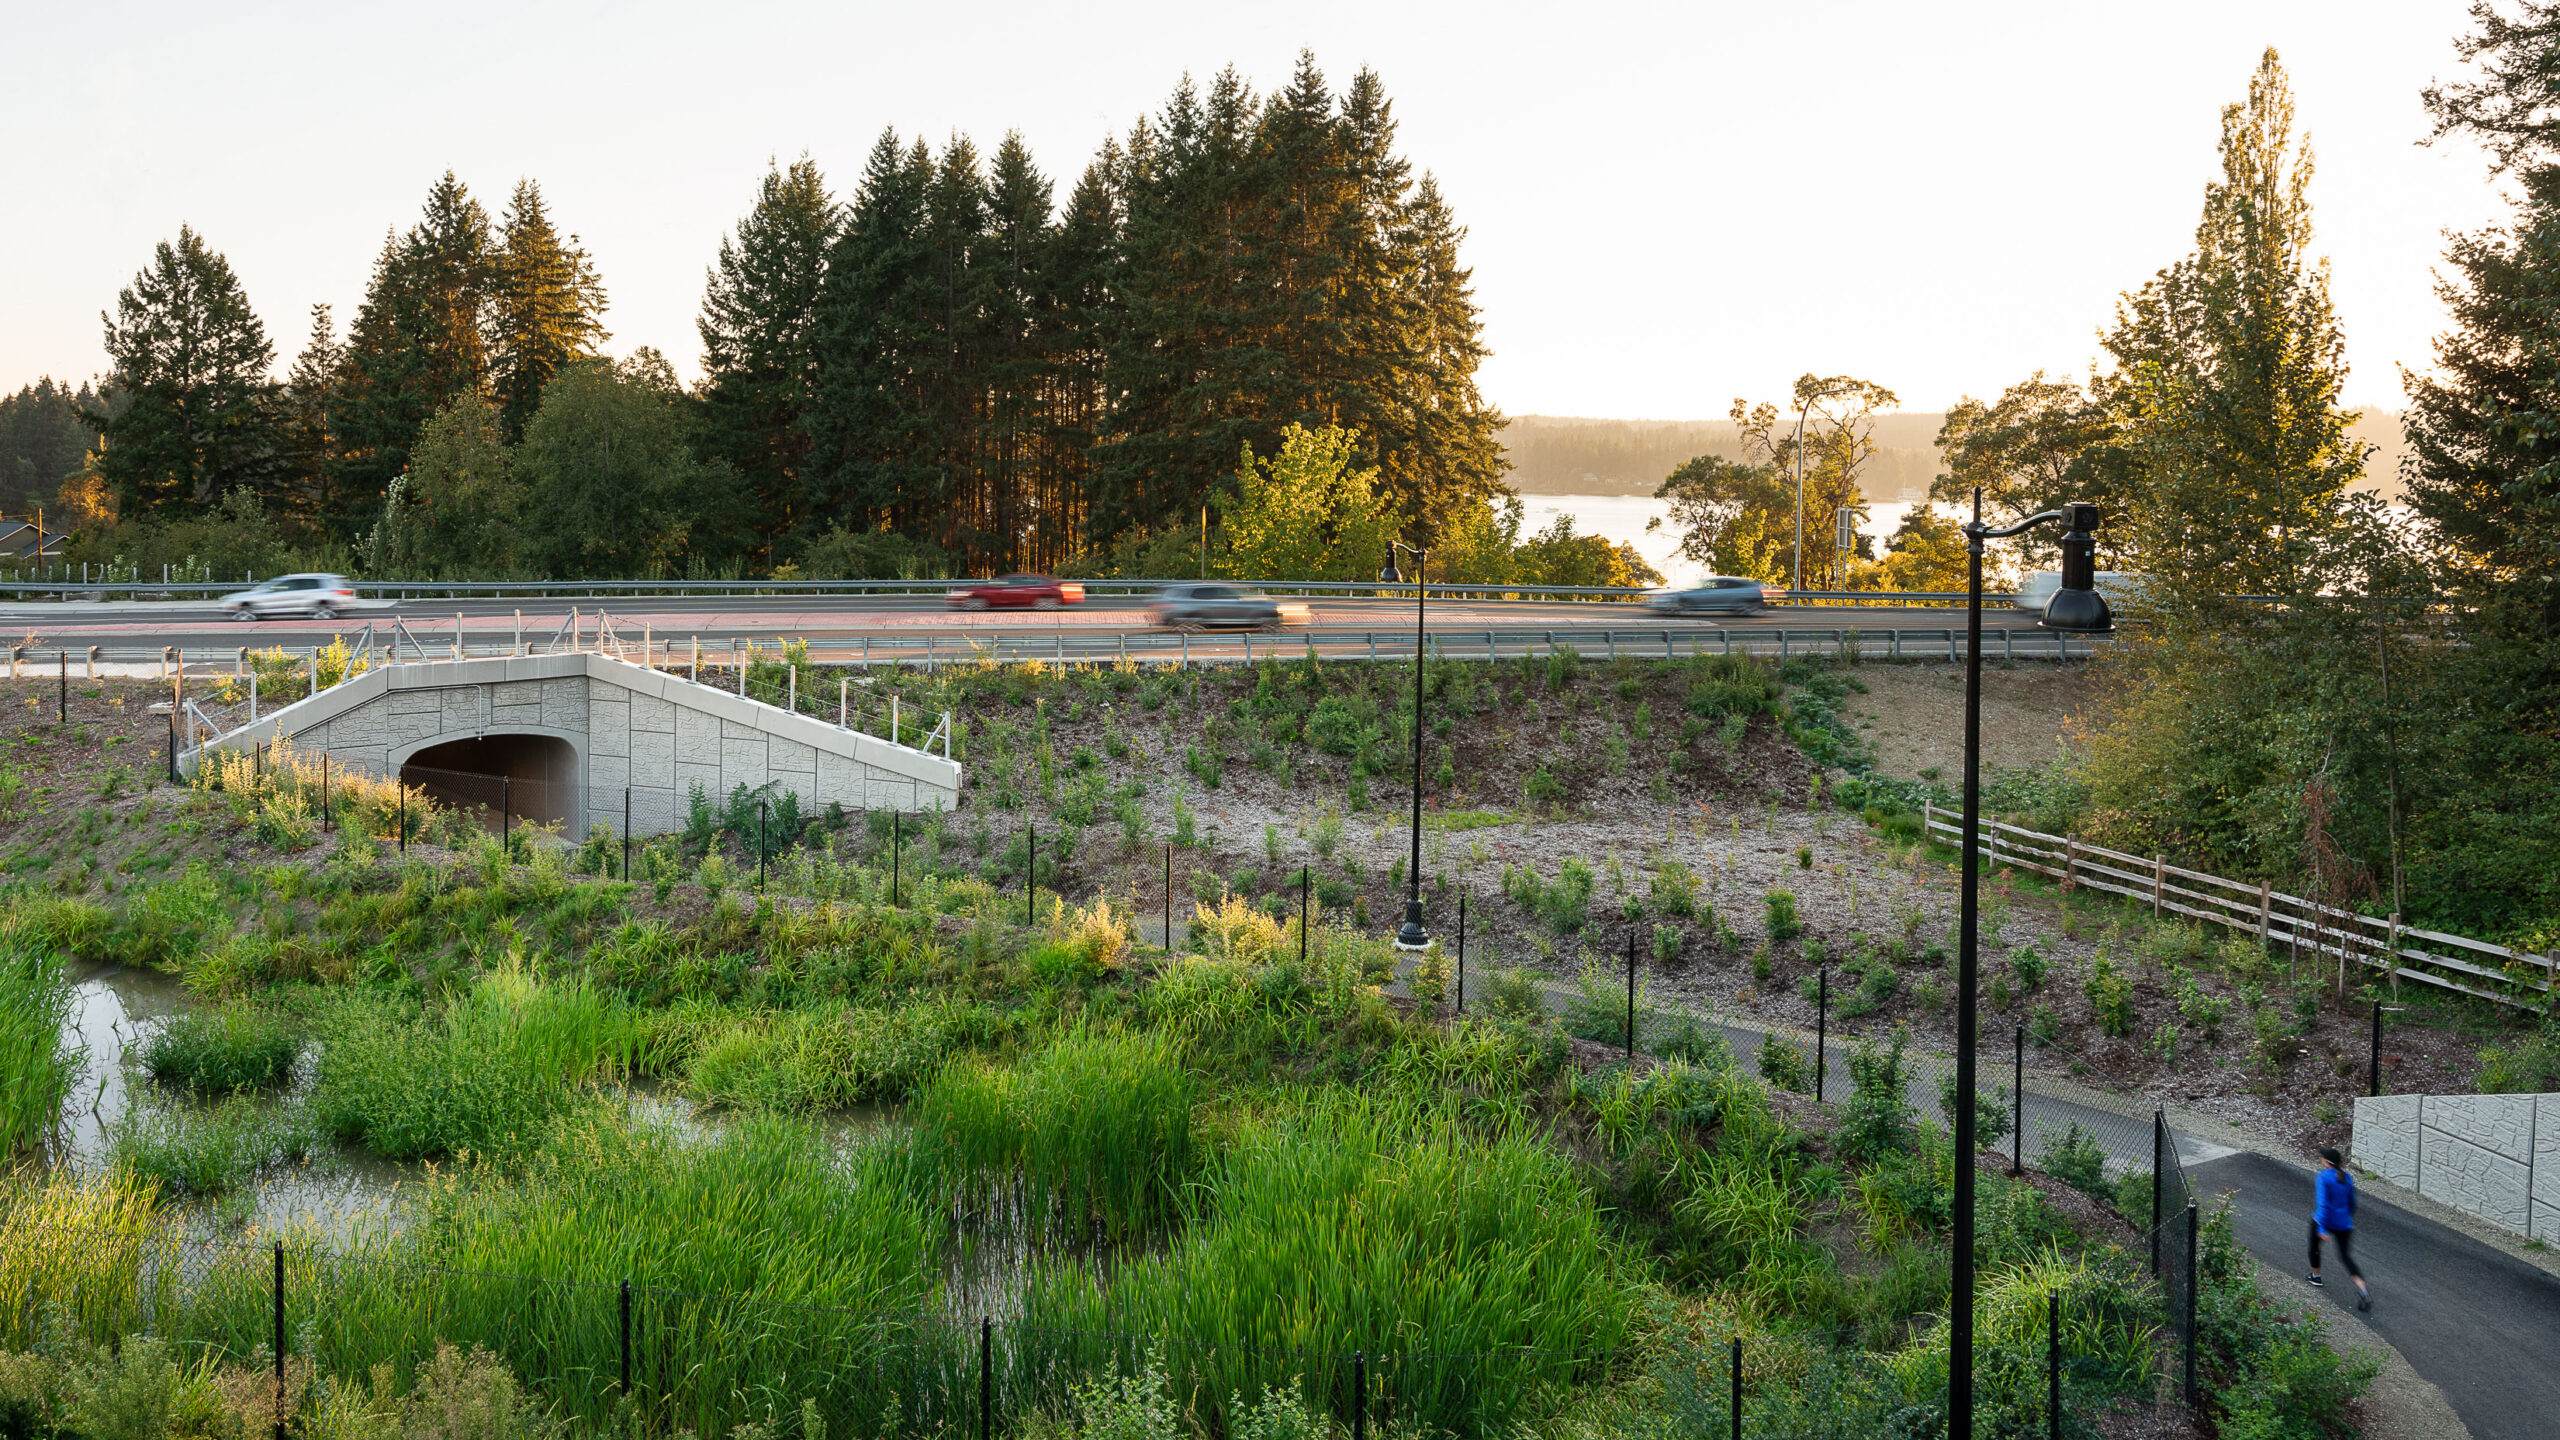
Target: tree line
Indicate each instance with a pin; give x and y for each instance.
(949, 369)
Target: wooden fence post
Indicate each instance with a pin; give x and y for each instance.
(2159, 881)
(2070, 862)
(2266, 895)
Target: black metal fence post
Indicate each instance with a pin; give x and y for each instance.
(626, 1339)
(2053, 1365)
(62, 698)
(1030, 873)
(2018, 1107)
(761, 847)
(279, 1298)
(897, 842)
(2159, 1161)
(173, 744)
(401, 787)
(325, 826)
(506, 812)
(2373, 1066)
(626, 832)
(1168, 895)
(1306, 881)
(986, 1378)
(1737, 1387)
(2191, 1304)
(1821, 1030)
(1462, 952)
(1631, 994)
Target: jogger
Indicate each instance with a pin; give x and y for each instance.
(2333, 1215)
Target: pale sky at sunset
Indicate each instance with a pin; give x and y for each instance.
(1668, 205)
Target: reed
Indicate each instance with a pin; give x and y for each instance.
(88, 1247)
(222, 1048)
(766, 1270)
(1097, 1124)
(36, 1068)
(1477, 1269)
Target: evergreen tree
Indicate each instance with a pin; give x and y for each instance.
(306, 419)
(2228, 368)
(417, 343)
(193, 358)
(1440, 447)
(1019, 373)
(872, 451)
(759, 344)
(543, 307)
(44, 436)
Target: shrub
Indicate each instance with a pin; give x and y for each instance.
(472, 1396)
(2032, 967)
(2528, 1064)
(2110, 994)
(1675, 890)
(1990, 1109)
(1783, 924)
(1783, 1064)
(2073, 1157)
(219, 1049)
(1876, 1121)
(1667, 941)
(1515, 995)
(1335, 727)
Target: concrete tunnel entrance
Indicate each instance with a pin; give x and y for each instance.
(526, 777)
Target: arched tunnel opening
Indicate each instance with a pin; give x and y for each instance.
(526, 777)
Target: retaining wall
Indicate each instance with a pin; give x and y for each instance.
(2496, 1157)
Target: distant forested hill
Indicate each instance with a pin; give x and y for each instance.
(1568, 455)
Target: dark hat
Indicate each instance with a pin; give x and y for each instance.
(2331, 1155)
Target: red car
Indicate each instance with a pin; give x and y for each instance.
(1033, 592)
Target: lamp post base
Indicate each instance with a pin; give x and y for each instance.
(1413, 936)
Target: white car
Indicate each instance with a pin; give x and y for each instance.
(2036, 590)
(319, 596)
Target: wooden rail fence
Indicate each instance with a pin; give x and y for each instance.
(2518, 978)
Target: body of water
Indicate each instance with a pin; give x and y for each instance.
(1621, 519)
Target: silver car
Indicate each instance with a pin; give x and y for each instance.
(319, 596)
(1727, 593)
(1213, 605)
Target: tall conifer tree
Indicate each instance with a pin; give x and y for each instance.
(872, 451)
(417, 342)
(759, 344)
(545, 307)
(192, 359)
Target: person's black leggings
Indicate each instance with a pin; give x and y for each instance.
(2346, 1249)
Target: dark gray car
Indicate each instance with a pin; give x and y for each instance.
(1726, 593)
(1216, 605)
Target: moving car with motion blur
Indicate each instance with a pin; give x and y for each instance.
(2121, 587)
(1725, 594)
(1015, 592)
(317, 596)
(1215, 605)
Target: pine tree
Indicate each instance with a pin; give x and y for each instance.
(1440, 450)
(1019, 373)
(2228, 368)
(192, 358)
(544, 307)
(44, 436)
(759, 343)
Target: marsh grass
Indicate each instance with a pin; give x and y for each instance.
(1348, 1223)
(1096, 1124)
(208, 1149)
(219, 1049)
(36, 1068)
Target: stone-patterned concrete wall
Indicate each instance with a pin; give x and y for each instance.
(656, 733)
(2493, 1156)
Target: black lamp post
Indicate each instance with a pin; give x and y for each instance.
(2076, 608)
(1412, 936)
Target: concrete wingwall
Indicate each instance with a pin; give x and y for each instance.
(2493, 1156)
(628, 725)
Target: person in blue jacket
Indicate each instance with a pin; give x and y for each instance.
(2333, 1215)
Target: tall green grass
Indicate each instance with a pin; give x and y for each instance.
(487, 1076)
(36, 1068)
(1097, 1125)
(222, 1048)
(1481, 1263)
(766, 1269)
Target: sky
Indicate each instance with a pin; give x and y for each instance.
(1668, 206)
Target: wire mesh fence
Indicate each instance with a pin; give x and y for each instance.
(638, 1358)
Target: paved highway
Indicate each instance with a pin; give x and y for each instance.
(893, 621)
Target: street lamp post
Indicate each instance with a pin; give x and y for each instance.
(1413, 936)
(2076, 608)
